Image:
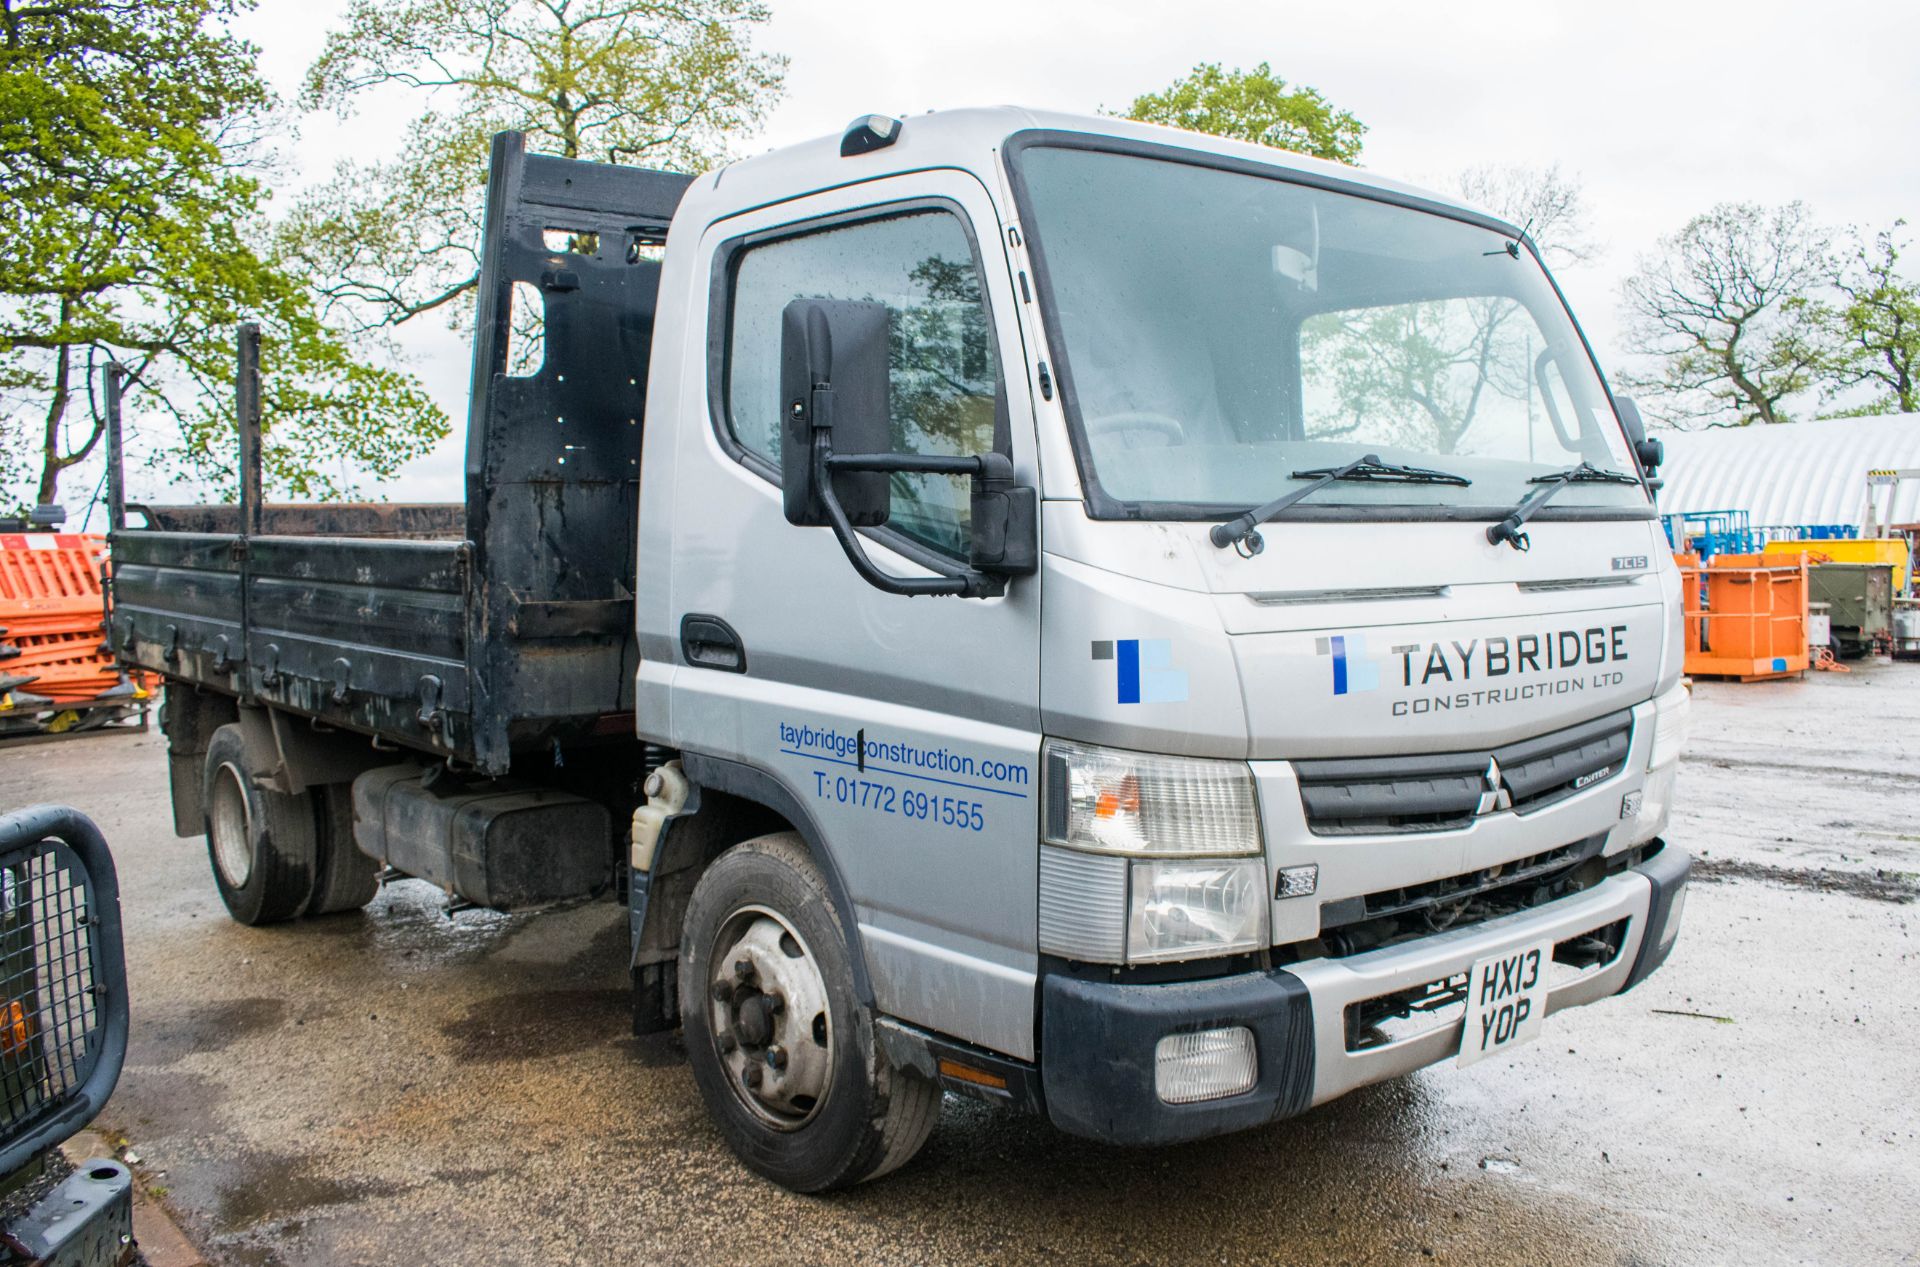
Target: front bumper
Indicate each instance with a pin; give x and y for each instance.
(1098, 1039)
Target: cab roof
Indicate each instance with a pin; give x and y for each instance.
(971, 139)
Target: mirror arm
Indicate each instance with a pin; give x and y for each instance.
(894, 463)
(963, 582)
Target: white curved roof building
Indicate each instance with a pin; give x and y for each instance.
(1794, 473)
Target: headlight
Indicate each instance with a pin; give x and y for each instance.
(1200, 886)
(1670, 713)
(1108, 801)
(1189, 910)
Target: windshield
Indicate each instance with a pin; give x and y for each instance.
(1218, 331)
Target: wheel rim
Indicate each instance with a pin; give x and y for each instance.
(767, 1011)
(230, 823)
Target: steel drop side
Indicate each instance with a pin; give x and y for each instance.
(485, 632)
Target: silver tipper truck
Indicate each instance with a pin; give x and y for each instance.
(1134, 627)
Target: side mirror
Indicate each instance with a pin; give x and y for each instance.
(836, 460)
(1648, 452)
(834, 382)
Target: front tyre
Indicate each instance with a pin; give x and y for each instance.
(783, 1051)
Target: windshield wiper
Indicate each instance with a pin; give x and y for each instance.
(1508, 529)
(1242, 532)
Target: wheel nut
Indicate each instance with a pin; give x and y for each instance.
(777, 1058)
(752, 1077)
(722, 992)
(776, 1004)
(727, 1042)
(742, 969)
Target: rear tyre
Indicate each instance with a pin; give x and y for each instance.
(347, 879)
(263, 845)
(783, 1051)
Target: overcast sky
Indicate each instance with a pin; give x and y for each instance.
(1660, 109)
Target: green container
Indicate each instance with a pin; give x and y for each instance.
(1859, 599)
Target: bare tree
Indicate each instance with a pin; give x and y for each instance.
(1720, 308)
(1551, 207)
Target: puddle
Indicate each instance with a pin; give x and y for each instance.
(162, 1040)
(408, 920)
(277, 1188)
(539, 1023)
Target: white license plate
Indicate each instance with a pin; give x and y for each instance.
(1506, 1001)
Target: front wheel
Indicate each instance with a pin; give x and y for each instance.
(783, 1051)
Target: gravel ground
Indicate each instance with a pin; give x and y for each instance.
(401, 1087)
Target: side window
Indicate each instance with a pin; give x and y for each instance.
(945, 370)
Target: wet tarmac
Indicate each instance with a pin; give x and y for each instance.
(400, 1087)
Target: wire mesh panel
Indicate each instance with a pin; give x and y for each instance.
(63, 978)
(51, 1015)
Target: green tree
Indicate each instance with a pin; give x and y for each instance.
(1873, 331)
(655, 82)
(1721, 311)
(131, 136)
(1253, 105)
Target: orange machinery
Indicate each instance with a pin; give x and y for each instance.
(1746, 615)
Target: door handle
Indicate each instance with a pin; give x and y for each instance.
(709, 642)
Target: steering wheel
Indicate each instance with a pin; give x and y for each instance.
(1138, 420)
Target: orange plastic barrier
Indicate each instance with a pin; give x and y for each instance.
(53, 654)
(1746, 615)
(50, 583)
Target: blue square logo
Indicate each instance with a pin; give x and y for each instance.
(1144, 670)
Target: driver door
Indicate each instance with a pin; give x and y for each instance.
(907, 728)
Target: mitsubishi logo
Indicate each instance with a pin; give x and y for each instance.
(1495, 796)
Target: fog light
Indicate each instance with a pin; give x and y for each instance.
(1671, 929)
(1207, 1065)
(1298, 881)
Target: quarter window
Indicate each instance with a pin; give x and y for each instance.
(944, 370)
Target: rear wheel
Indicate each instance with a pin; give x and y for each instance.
(262, 844)
(782, 1050)
(347, 879)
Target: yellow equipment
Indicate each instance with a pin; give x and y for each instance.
(1852, 550)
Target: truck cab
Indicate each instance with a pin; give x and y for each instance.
(1135, 627)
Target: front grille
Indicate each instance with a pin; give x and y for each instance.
(1388, 917)
(1445, 900)
(1443, 791)
(51, 1018)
